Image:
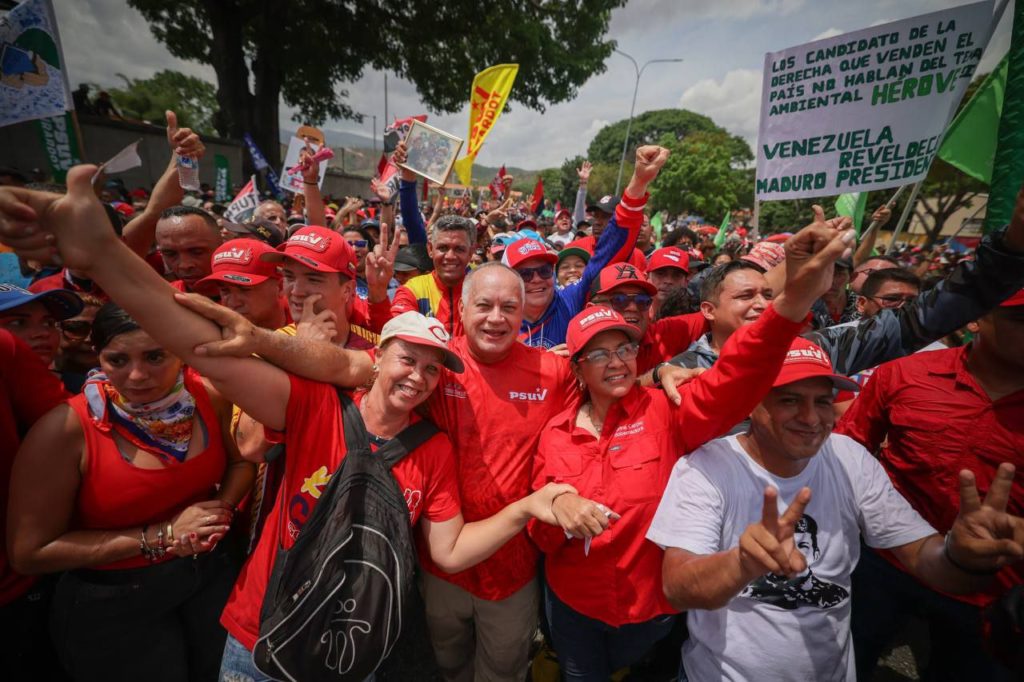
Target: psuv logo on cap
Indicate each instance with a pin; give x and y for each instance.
(672, 256)
(316, 242)
(233, 255)
(804, 354)
(529, 246)
(598, 315)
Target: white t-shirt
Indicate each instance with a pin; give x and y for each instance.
(561, 239)
(777, 629)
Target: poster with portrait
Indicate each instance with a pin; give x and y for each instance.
(431, 152)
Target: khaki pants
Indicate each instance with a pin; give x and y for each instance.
(476, 640)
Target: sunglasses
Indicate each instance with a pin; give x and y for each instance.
(357, 243)
(75, 329)
(621, 302)
(545, 271)
(599, 357)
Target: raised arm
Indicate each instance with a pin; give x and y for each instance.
(76, 223)
(315, 213)
(864, 250)
(140, 232)
(408, 204)
(579, 210)
(750, 360)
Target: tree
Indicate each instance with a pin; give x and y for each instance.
(192, 99)
(304, 50)
(699, 176)
(651, 127)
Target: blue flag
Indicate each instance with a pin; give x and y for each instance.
(261, 164)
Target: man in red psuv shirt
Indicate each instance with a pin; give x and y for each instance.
(938, 413)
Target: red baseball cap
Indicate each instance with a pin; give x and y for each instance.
(669, 257)
(1014, 301)
(806, 360)
(766, 255)
(318, 248)
(240, 261)
(591, 322)
(620, 274)
(523, 250)
(561, 212)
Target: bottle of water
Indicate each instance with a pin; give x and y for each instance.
(188, 173)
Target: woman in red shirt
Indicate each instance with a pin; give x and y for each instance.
(603, 595)
(113, 487)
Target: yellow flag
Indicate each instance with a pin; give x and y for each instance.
(486, 102)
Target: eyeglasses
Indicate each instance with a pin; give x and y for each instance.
(893, 300)
(357, 243)
(545, 271)
(75, 329)
(621, 302)
(599, 357)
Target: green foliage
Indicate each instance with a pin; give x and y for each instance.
(699, 176)
(146, 99)
(651, 127)
(305, 50)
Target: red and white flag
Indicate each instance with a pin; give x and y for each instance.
(244, 203)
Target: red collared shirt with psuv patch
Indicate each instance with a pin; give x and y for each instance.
(935, 419)
(667, 338)
(494, 415)
(315, 446)
(643, 436)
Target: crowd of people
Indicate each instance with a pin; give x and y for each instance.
(761, 457)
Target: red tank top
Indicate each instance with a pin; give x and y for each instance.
(115, 493)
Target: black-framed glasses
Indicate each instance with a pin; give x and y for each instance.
(545, 271)
(75, 329)
(893, 300)
(599, 357)
(357, 243)
(621, 302)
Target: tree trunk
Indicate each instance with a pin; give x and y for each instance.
(228, 61)
(267, 77)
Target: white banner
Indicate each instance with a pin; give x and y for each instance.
(32, 82)
(293, 181)
(865, 110)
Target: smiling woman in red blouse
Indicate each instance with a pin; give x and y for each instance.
(603, 594)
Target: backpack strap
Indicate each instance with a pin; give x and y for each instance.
(410, 438)
(356, 437)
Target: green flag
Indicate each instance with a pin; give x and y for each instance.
(58, 136)
(723, 230)
(970, 141)
(222, 179)
(657, 224)
(1008, 167)
(852, 206)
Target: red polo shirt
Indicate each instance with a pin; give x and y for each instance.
(493, 415)
(628, 467)
(27, 391)
(934, 420)
(668, 337)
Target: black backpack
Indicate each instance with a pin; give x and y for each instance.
(334, 604)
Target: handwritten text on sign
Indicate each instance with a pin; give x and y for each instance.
(865, 110)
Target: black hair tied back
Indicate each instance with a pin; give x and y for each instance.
(111, 320)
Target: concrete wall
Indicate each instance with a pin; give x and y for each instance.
(21, 148)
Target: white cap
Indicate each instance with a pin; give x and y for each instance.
(413, 327)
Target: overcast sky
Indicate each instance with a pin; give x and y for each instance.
(723, 43)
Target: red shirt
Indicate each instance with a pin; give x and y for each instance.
(314, 448)
(63, 280)
(372, 316)
(627, 470)
(668, 337)
(494, 414)
(935, 419)
(28, 390)
(636, 259)
(115, 494)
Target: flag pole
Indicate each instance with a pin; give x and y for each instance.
(906, 213)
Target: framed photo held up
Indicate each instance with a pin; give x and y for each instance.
(431, 152)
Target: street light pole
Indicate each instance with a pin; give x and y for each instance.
(636, 87)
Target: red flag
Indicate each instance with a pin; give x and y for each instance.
(497, 187)
(381, 165)
(396, 131)
(538, 196)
